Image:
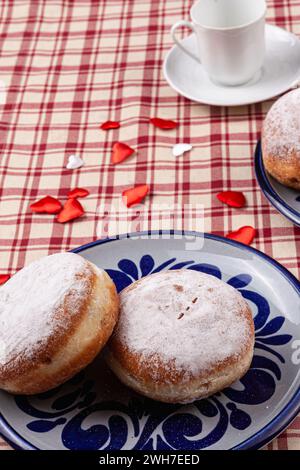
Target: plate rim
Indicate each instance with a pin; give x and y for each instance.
(228, 104)
(273, 197)
(262, 436)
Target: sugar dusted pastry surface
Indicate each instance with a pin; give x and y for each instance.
(190, 319)
(32, 301)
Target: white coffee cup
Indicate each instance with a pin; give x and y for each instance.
(230, 38)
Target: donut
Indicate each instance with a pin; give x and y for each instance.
(182, 335)
(281, 140)
(56, 314)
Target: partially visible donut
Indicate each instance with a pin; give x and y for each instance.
(181, 336)
(55, 316)
(281, 140)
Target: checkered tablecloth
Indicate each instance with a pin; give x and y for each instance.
(65, 67)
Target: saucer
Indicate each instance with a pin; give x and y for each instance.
(280, 71)
(285, 200)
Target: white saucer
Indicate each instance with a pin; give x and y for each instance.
(94, 411)
(281, 70)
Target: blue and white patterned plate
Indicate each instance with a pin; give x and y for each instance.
(284, 199)
(94, 411)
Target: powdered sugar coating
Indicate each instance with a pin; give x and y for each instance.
(187, 318)
(281, 130)
(32, 301)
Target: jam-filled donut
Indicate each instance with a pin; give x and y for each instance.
(181, 336)
(281, 140)
(55, 316)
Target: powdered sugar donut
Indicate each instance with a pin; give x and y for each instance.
(281, 140)
(181, 335)
(55, 316)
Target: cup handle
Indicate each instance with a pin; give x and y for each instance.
(177, 25)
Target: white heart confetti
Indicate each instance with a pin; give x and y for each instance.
(74, 162)
(180, 149)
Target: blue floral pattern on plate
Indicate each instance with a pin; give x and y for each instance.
(153, 425)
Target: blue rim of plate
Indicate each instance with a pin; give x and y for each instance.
(266, 187)
(261, 437)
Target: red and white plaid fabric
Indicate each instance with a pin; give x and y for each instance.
(66, 67)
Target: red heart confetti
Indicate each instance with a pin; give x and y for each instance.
(46, 205)
(4, 278)
(232, 198)
(135, 195)
(71, 210)
(244, 235)
(78, 192)
(163, 123)
(110, 125)
(120, 152)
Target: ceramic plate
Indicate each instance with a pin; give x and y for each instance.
(285, 200)
(281, 69)
(94, 411)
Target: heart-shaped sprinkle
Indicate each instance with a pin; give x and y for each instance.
(74, 162)
(244, 235)
(4, 278)
(135, 195)
(78, 192)
(110, 125)
(120, 152)
(180, 149)
(232, 198)
(163, 123)
(71, 210)
(46, 205)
